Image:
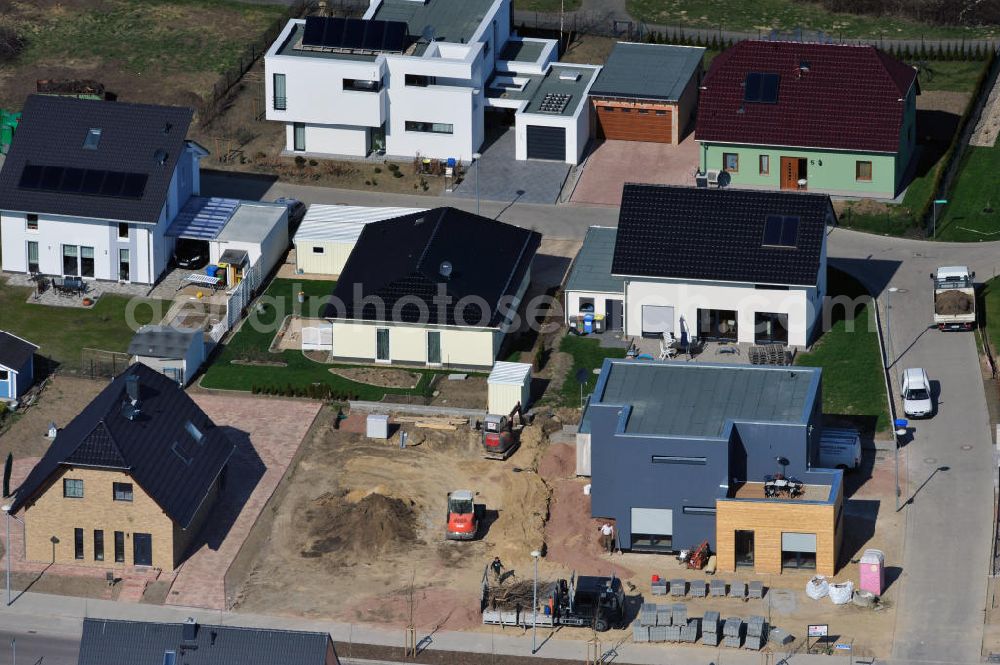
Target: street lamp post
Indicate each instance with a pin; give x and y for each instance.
(899, 428)
(6, 514)
(476, 156)
(889, 362)
(534, 606)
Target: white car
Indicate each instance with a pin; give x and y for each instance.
(915, 389)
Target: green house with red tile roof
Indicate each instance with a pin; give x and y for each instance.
(831, 118)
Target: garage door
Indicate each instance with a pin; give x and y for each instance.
(656, 521)
(632, 124)
(546, 142)
(657, 319)
(798, 542)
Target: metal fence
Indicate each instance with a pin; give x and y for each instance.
(102, 364)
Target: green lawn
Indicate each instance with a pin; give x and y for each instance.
(990, 300)
(763, 15)
(167, 36)
(950, 75)
(61, 332)
(851, 362)
(973, 213)
(254, 338)
(588, 355)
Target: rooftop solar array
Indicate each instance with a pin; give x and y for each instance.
(353, 34)
(554, 102)
(761, 88)
(781, 231)
(92, 182)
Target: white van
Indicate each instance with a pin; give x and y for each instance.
(840, 449)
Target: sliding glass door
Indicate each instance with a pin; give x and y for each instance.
(33, 256)
(71, 261)
(86, 261)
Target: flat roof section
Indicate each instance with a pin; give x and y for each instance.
(252, 222)
(561, 83)
(697, 399)
(591, 270)
(293, 46)
(522, 51)
(648, 71)
(203, 218)
(340, 223)
(453, 21)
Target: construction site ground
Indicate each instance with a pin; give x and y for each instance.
(359, 536)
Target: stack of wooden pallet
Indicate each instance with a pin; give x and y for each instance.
(446, 423)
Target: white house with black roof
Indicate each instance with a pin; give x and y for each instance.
(122, 642)
(89, 188)
(436, 288)
(733, 265)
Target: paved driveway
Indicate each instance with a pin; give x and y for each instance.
(613, 163)
(947, 491)
(505, 179)
(267, 433)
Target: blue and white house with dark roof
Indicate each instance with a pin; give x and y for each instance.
(669, 446)
(17, 366)
(417, 79)
(717, 264)
(89, 188)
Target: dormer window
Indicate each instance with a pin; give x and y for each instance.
(93, 138)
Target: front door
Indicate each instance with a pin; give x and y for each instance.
(124, 271)
(613, 310)
(789, 172)
(744, 548)
(433, 347)
(142, 549)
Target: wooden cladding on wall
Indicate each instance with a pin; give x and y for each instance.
(628, 121)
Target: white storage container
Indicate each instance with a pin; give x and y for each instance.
(508, 384)
(377, 426)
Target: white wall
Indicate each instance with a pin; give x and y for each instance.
(573, 301)
(577, 126)
(330, 140)
(687, 297)
(330, 262)
(468, 347)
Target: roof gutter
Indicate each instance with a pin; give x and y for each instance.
(792, 147)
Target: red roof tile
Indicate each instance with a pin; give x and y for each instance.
(848, 99)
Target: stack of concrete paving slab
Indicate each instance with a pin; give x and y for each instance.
(755, 633)
(710, 629)
(680, 614)
(664, 616)
(757, 590)
(689, 633)
(718, 588)
(640, 633)
(659, 587)
(738, 590)
(647, 614)
(731, 633)
(697, 589)
(678, 587)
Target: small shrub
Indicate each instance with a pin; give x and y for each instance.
(313, 162)
(368, 182)
(300, 161)
(244, 135)
(378, 169)
(11, 44)
(397, 174)
(374, 182)
(259, 155)
(414, 185)
(393, 167)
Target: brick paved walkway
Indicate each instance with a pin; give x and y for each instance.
(275, 429)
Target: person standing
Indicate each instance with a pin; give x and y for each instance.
(608, 537)
(497, 567)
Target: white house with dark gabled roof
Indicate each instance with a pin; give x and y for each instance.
(17, 366)
(89, 188)
(732, 265)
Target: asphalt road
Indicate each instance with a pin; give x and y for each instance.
(38, 649)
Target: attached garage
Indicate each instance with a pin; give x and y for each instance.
(652, 529)
(647, 92)
(546, 142)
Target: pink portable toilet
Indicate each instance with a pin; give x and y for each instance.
(872, 572)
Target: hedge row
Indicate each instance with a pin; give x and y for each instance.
(322, 391)
(925, 51)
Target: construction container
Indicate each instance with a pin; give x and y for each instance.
(872, 572)
(377, 426)
(508, 384)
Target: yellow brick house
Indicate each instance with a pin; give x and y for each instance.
(129, 481)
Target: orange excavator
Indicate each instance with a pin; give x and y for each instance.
(463, 516)
(499, 438)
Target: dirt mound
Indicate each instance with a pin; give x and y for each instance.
(953, 302)
(386, 378)
(373, 524)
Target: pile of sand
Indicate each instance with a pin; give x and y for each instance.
(386, 378)
(520, 528)
(346, 524)
(953, 302)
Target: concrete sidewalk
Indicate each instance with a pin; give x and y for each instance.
(61, 616)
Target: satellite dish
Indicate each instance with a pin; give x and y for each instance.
(445, 269)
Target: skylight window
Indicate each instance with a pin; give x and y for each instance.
(93, 138)
(183, 451)
(762, 88)
(781, 231)
(193, 431)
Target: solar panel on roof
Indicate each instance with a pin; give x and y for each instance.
(72, 179)
(772, 230)
(374, 35)
(554, 102)
(51, 178)
(354, 33)
(769, 88)
(313, 35)
(395, 36)
(31, 176)
(789, 231)
(112, 185)
(751, 89)
(135, 185)
(92, 182)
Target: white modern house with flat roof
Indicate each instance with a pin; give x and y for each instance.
(415, 78)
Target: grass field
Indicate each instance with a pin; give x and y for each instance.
(588, 355)
(973, 211)
(62, 332)
(547, 5)
(764, 15)
(142, 50)
(251, 342)
(851, 362)
(990, 299)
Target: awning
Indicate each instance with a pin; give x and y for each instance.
(234, 257)
(203, 218)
